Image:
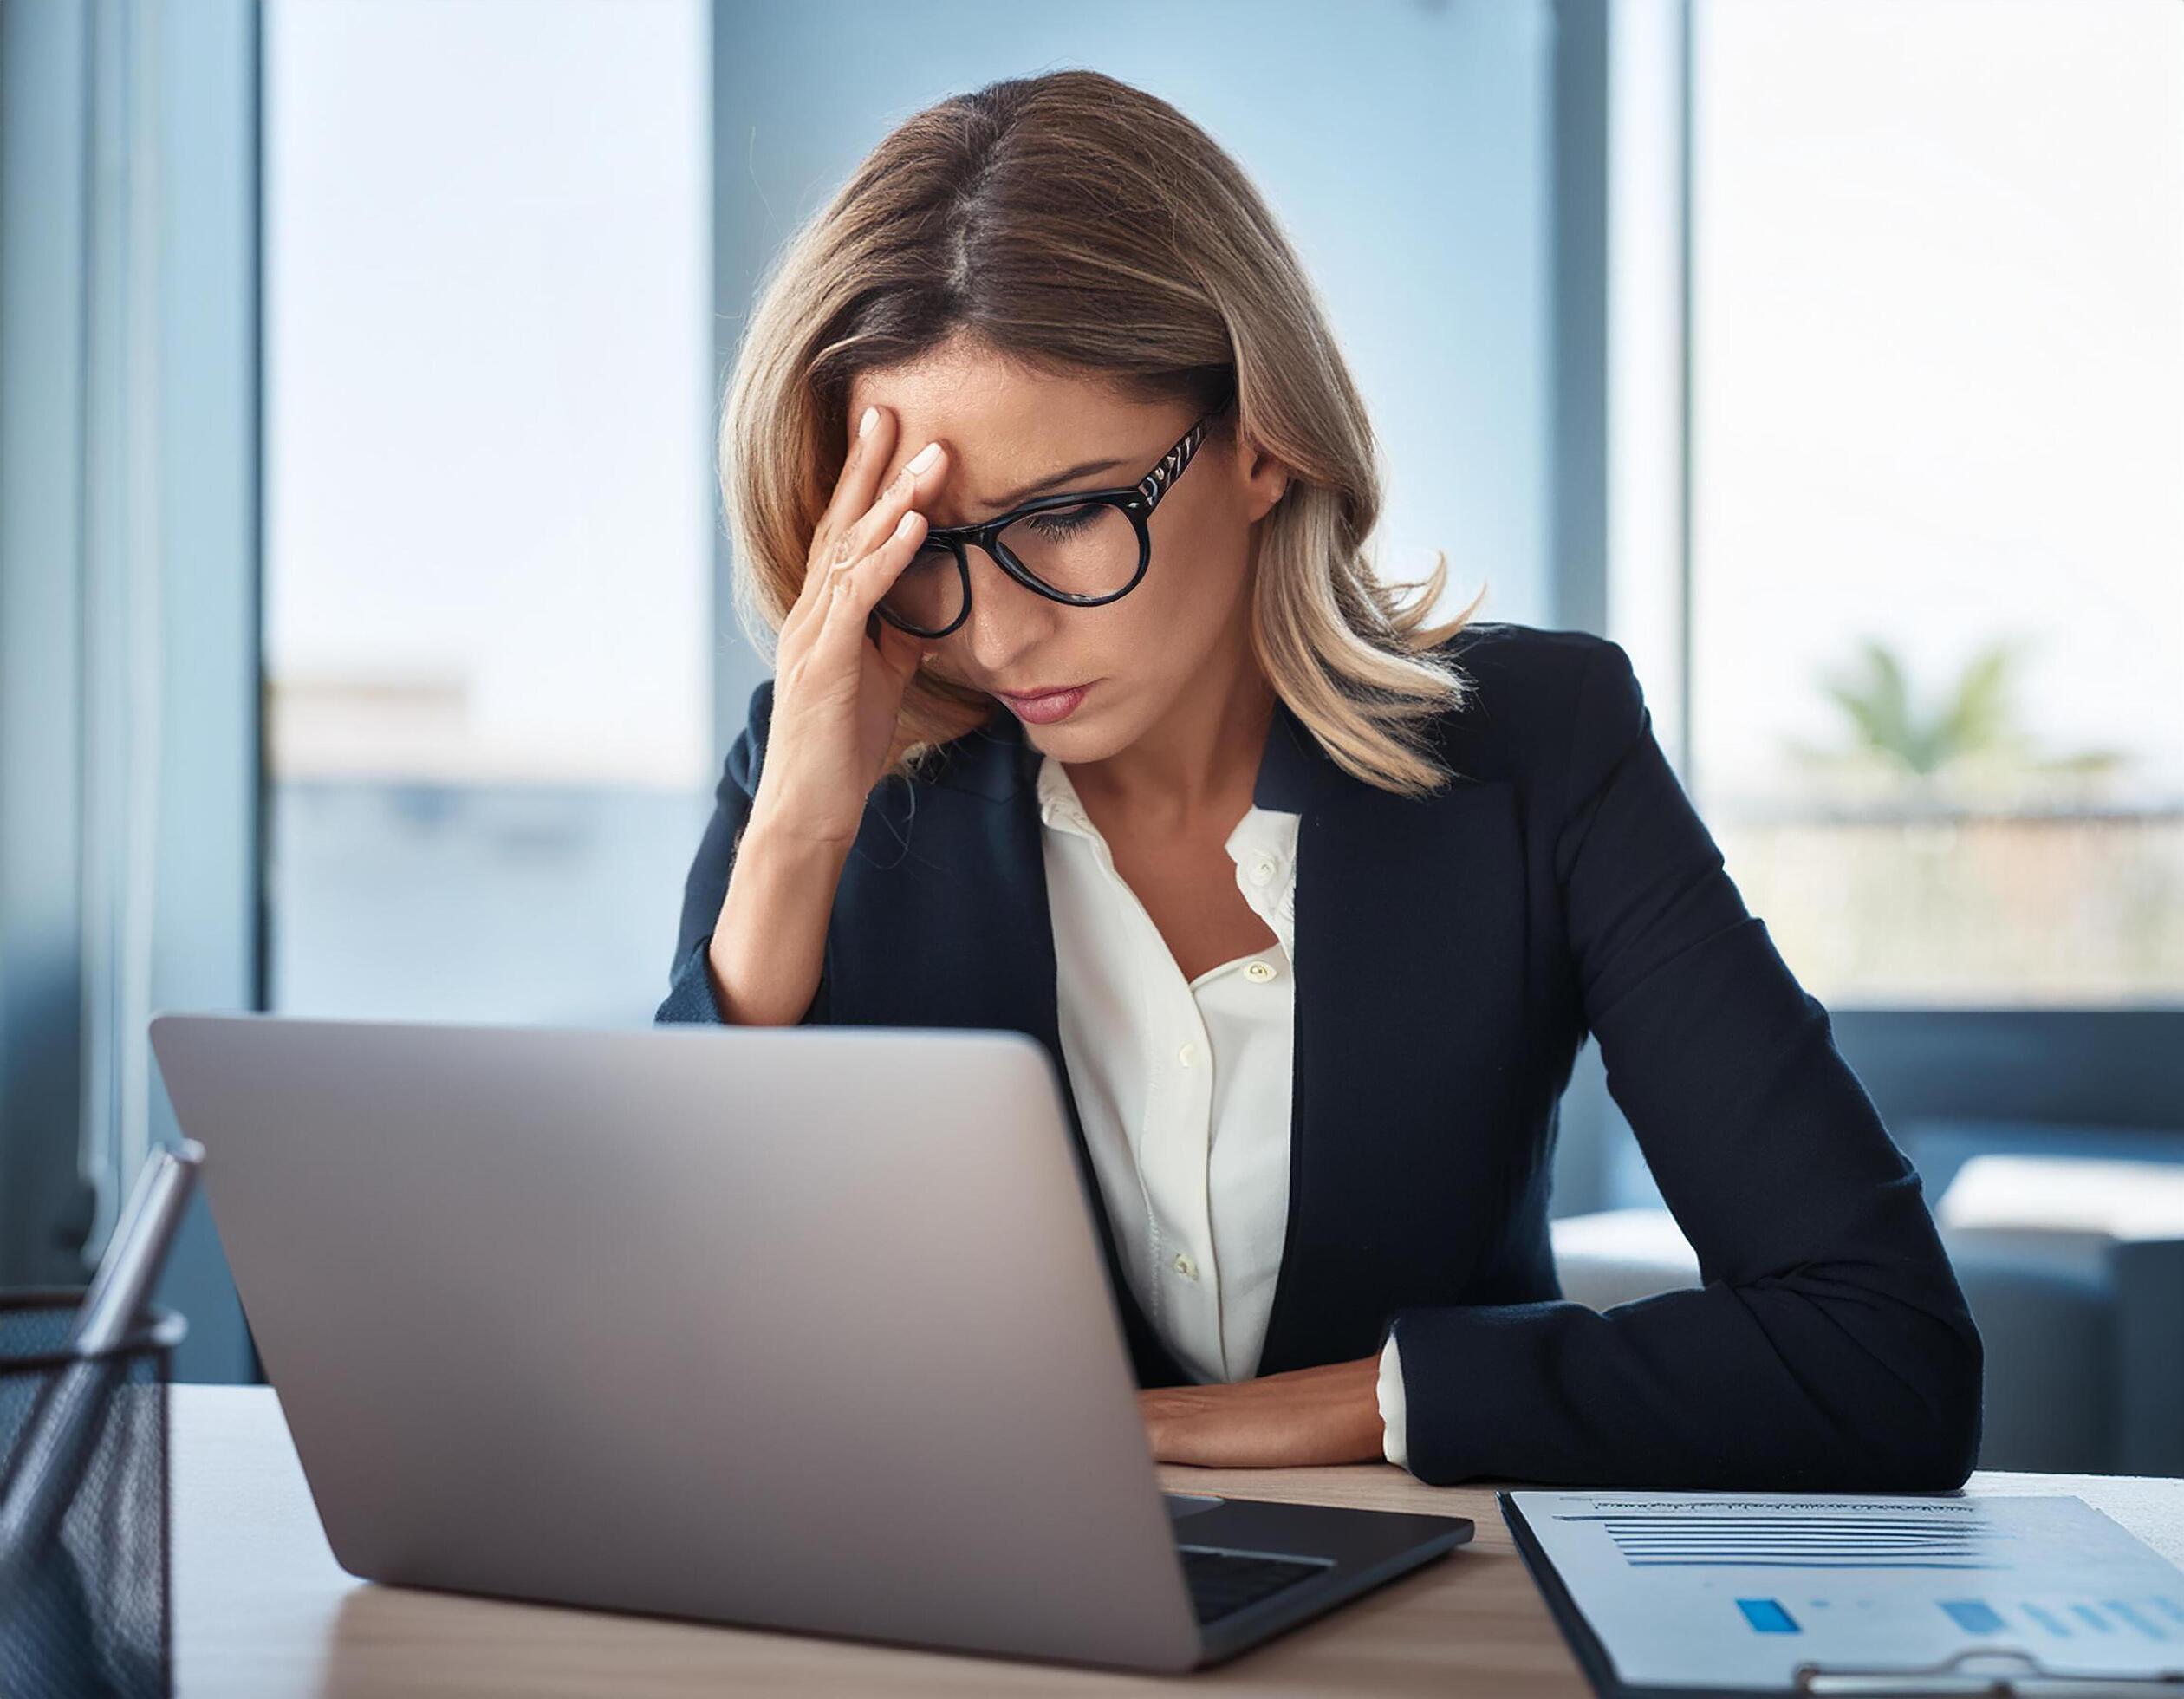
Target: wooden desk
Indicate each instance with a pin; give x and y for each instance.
(261, 1608)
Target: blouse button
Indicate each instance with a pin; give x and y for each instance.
(1262, 870)
(1259, 970)
(1184, 1267)
(1187, 1055)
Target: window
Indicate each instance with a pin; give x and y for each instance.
(1937, 525)
(490, 510)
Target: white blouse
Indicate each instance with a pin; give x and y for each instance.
(1183, 1089)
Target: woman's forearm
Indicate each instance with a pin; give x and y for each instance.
(769, 946)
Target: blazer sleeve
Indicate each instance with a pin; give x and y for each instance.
(1829, 1346)
(690, 988)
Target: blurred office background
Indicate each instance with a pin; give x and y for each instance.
(364, 642)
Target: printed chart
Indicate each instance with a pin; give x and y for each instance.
(1730, 1591)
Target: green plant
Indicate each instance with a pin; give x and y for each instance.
(1972, 732)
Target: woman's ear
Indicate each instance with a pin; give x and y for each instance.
(1267, 488)
(1266, 480)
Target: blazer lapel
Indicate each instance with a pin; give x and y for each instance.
(1408, 1057)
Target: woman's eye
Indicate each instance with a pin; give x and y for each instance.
(1063, 522)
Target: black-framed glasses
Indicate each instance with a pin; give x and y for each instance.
(1083, 548)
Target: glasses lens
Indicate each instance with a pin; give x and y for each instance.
(927, 595)
(1088, 550)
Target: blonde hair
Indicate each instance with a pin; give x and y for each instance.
(1078, 226)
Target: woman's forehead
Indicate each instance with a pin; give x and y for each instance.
(1005, 429)
(982, 395)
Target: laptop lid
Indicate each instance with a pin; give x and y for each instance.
(803, 1327)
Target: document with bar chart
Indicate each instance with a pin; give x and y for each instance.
(1723, 1593)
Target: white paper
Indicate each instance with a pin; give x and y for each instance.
(1740, 1590)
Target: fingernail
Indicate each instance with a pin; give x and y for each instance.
(871, 417)
(925, 457)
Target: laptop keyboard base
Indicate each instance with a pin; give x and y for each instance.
(1223, 1583)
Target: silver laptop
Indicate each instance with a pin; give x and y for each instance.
(804, 1328)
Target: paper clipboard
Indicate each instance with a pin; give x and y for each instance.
(1978, 1671)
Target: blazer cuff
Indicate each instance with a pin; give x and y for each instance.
(690, 993)
(1394, 1443)
(691, 997)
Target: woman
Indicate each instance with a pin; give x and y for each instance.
(1312, 905)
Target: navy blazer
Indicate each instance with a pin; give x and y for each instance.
(1455, 951)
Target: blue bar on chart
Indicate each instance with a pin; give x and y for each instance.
(1767, 1615)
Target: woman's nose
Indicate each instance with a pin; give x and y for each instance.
(1005, 620)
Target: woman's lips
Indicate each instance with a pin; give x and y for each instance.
(1044, 710)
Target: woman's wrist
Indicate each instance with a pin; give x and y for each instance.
(785, 846)
(769, 943)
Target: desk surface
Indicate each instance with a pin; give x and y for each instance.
(261, 1608)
